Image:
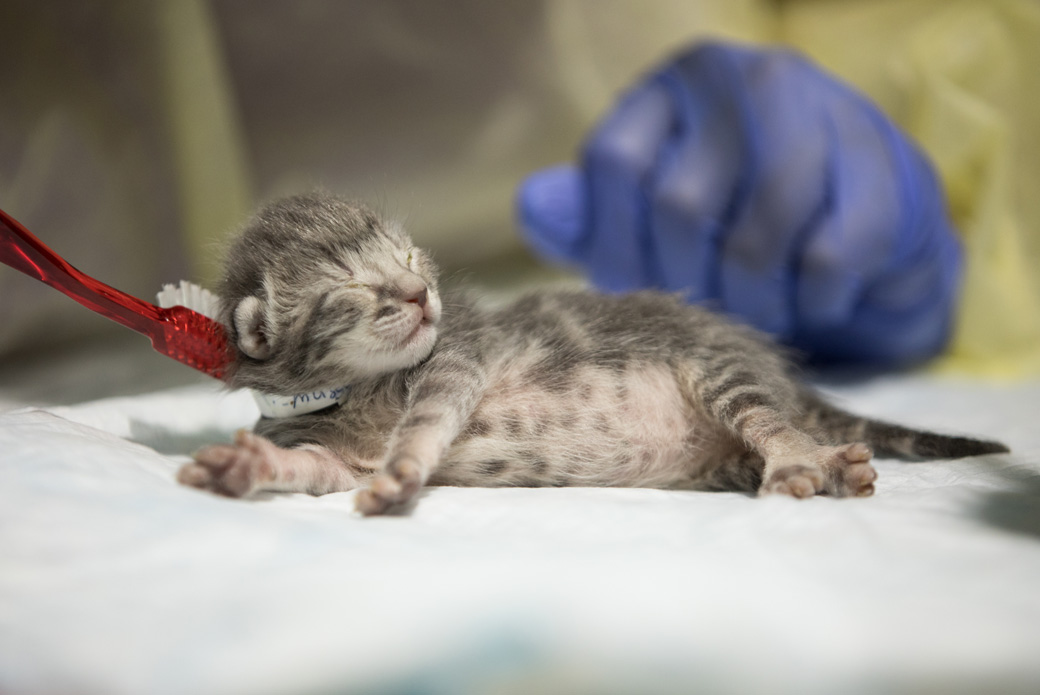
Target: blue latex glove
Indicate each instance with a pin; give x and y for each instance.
(754, 182)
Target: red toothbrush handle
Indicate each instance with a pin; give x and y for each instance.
(185, 335)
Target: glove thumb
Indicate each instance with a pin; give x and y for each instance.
(550, 208)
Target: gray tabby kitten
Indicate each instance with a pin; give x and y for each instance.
(555, 389)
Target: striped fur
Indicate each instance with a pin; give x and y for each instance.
(555, 389)
(832, 425)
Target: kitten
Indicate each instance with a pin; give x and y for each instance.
(555, 389)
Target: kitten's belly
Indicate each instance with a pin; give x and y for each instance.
(600, 427)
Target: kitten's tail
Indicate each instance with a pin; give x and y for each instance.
(834, 426)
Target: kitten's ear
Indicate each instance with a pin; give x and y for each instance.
(254, 338)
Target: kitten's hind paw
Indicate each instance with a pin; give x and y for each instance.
(399, 482)
(840, 471)
(233, 470)
(850, 472)
(796, 481)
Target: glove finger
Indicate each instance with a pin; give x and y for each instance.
(908, 316)
(696, 179)
(617, 162)
(854, 240)
(786, 192)
(551, 206)
(905, 313)
(901, 333)
(925, 270)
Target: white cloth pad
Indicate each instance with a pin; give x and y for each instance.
(114, 579)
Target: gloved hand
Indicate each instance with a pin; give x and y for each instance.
(756, 183)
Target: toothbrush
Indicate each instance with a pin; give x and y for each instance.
(178, 332)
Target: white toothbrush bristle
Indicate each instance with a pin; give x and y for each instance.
(191, 296)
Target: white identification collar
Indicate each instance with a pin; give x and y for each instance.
(274, 406)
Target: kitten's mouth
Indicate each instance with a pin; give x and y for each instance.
(421, 328)
(425, 329)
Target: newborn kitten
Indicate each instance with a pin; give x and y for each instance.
(555, 389)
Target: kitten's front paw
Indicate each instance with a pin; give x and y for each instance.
(233, 470)
(399, 482)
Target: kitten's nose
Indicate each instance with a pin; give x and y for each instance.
(418, 298)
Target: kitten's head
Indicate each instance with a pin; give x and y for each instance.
(319, 293)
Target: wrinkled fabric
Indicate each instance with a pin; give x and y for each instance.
(115, 579)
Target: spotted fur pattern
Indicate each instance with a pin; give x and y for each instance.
(555, 389)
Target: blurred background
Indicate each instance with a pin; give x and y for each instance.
(135, 136)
